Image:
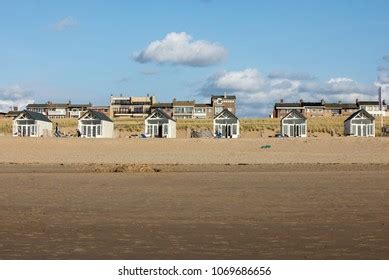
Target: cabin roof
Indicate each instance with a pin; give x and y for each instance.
(300, 115)
(34, 115)
(228, 112)
(97, 115)
(157, 110)
(353, 115)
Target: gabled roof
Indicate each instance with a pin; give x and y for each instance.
(301, 116)
(96, 115)
(353, 115)
(226, 112)
(35, 116)
(157, 110)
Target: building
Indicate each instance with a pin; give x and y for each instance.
(226, 125)
(12, 114)
(315, 109)
(101, 109)
(203, 111)
(183, 109)
(360, 124)
(294, 124)
(59, 110)
(373, 107)
(134, 106)
(2, 115)
(93, 124)
(221, 102)
(166, 107)
(31, 124)
(159, 124)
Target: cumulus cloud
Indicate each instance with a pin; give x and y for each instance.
(180, 48)
(65, 23)
(14, 96)
(256, 92)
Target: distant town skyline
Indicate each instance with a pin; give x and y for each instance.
(260, 51)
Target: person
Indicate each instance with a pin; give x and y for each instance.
(78, 133)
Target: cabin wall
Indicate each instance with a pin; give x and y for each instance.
(108, 129)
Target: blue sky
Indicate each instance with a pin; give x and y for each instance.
(260, 51)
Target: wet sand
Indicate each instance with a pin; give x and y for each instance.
(285, 211)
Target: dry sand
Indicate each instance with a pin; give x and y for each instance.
(194, 151)
(194, 199)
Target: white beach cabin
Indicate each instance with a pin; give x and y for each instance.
(159, 124)
(360, 124)
(31, 124)
(226, 125)
(93, 124)
(294, 124)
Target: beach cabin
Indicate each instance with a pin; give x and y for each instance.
(31, 124)
(93, 124)
(294, 124)
(159, 124)
(360, 124)
(226, 125)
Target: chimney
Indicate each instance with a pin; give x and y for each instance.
(356, 101)
(70, 102)
(322, 102)
(225, 94)
(301, 100)
(15, 108)
(282, 100)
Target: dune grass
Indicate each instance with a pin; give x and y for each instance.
(329, 125)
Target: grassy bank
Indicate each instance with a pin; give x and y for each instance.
(331, 126)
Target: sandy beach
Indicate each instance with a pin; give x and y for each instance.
(324, 198)
(194, 151)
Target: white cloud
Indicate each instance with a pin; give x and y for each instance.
(180, 48)
(14, 96)
(256, 93)
(65, 23)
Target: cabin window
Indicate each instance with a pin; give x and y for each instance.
(285, 130)
(165, 129)
(303, 129)
(234, 129)
(353, 130)
(98, 130)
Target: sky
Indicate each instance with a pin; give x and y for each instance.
(259, 50)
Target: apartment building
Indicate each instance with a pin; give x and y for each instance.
(134, 106)
(59, 110)
(315, 109)
(373, 108)
(183, 109)
(221, 102)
